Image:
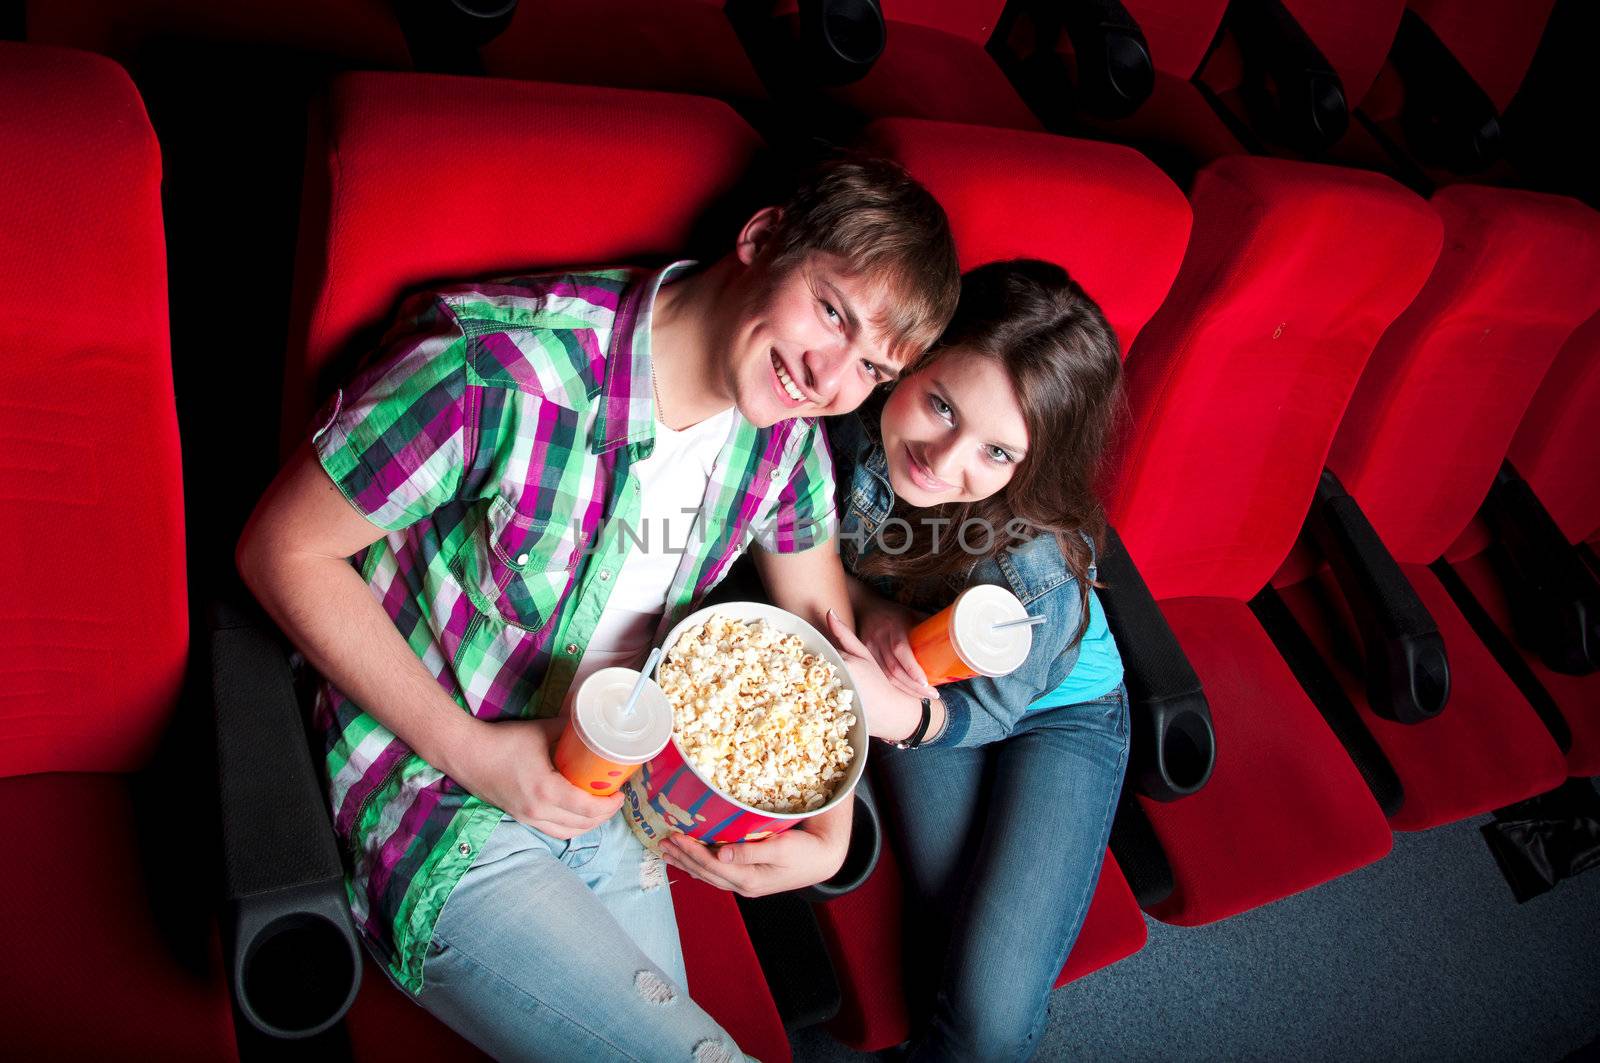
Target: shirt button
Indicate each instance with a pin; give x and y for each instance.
(466, 850)
(572, 647)
(605, 574)
(522, 559)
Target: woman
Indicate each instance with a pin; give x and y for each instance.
(979, 468)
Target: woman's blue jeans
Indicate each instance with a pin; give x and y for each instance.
(1001, 847)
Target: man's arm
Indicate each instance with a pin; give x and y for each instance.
(294, 556)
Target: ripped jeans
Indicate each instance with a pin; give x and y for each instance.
(555, 950)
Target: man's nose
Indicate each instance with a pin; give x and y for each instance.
(824, 372)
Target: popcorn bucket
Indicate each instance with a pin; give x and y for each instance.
(668, 796)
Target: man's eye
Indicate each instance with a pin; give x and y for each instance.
(833, 315)
(872, 371)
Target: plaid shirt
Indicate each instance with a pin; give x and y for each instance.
(492, 438)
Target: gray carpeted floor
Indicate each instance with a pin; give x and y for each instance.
(1422, 956)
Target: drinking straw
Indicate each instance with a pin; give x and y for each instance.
(638, 686)
(1029, 621)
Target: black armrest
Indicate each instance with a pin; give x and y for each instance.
(293, 956)
(866, 844)
(1408, 675)
(1115, 71)
(1292, 88)
(1173, 747)
(1448, 118)
(1555, 598)
(1139, 853)
(829, 42)
(444, 36)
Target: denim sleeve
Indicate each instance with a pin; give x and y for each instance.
(983, 710)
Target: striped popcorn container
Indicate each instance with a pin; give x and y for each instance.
(668, 796)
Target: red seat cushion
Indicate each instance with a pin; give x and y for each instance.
(89, 470)
(1557, 446)
(1285, 809)
(1176, 116)
(1487, 748)
(928, 73)
(90, 972)
(391, 208)
(864, 934)
(725, 979)
(1102, 211)
(1440, 400)
(668, 45)
(1578, 696)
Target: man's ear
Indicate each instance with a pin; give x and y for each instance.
(757, 233)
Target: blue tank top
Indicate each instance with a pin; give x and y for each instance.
(1099, 668)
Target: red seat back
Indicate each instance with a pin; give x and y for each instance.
(1103, 211)
(1293, 272)
(424, 180)
(1494, 40)
(1177, 31)
(92, 607)
(1436, 410)
(1557, 446)
(1353, 35)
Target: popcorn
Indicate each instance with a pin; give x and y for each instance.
(767, 722)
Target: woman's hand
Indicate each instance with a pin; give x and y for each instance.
(892, 713)
(803, 855)
(511, 765)
(885, 629)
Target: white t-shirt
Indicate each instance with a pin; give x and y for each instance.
(673, 478)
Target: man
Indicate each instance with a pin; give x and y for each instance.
(494, 475)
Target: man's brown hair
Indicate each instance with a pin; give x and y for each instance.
(880, 221)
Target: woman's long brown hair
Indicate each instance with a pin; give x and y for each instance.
(1063, 360)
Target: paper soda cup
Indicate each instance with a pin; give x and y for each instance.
(601, 747)
(960, 641)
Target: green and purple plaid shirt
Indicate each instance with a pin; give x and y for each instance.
(492, 437)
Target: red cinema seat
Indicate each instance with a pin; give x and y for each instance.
(1120, 227)
(1557, 450)
(1178, 126)
(1293, 273)
(390, 209)
(667, 45)
(1418, 449)
(90, 483)
(934, 65)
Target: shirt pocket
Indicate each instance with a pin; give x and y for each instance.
(516, 566)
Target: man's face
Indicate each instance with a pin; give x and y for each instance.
(805, 345)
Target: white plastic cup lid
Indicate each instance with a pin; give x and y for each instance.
(972, 632)
(598, 716)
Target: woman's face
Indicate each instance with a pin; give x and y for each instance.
(953, 432)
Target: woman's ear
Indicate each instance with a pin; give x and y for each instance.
(757, 233)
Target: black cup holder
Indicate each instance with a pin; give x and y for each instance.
(1186, 753)
(298, 976)
(1430, 681)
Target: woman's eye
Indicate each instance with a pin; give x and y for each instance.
(997, 455)
(940, 407)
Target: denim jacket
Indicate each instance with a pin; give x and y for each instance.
(980, 710)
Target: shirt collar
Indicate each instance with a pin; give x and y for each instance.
(628, 402)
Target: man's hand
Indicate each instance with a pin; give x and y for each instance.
(803, 855)
(892, 714)
(510, 765)
(885, 629)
